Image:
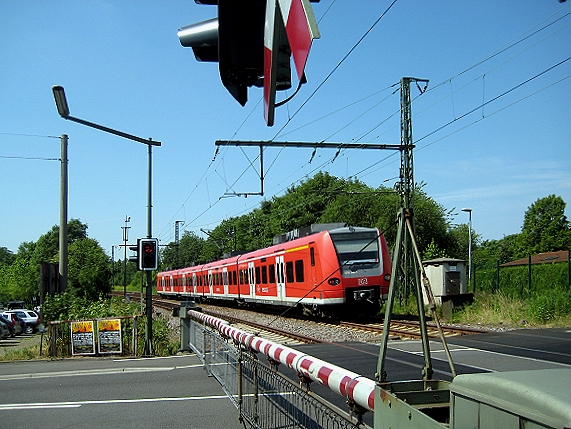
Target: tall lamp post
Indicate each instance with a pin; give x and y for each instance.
(63, 110)
(469, 211)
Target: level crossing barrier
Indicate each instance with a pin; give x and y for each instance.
(265, 398)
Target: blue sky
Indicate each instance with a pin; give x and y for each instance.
(122, 66)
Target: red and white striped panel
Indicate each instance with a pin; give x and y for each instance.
(346, 383)
(301, 29)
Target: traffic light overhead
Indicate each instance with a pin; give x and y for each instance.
(253, 41)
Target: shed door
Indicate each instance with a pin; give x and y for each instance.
(453, 283)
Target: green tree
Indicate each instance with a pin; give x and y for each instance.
(326, 199)
(305, 204)
(185, 254)
(459, 240)
(433, 252)
(89, 272)
(487, 253)
(545, 227)
(6, 256)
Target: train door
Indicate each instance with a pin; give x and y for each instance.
(184, 283)
(225, 280)
(252, 279)
(171, 283)
(194, 282)
(280, 280)
(210, 282)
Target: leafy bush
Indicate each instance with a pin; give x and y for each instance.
(67, 306)
(546, 308)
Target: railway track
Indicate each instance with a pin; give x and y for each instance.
(288, 336)
(270, 333)
(411, 330)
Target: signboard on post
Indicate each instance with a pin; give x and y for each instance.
(82, 338)
(109, 336)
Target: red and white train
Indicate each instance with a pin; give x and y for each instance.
(331, 269)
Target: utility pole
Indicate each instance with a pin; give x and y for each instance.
(63, 240)
(406, 249)
(125, 240)
(177, 240)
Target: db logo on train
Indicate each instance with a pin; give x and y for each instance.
(363, 281)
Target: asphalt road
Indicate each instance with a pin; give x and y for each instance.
(106, 393)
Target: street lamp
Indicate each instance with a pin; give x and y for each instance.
(63, 110)
(469, 211)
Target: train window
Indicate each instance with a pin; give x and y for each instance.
(357, 248)
(272, 271)
(258, 275)
(264, 274)
(234, 280)
(299, 277)
(289, 272)
(312, 256)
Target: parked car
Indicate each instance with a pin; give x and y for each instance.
(7, 320)
(13, 305)
(21, 322)
(31, 318)
(4, 330)
(13, 324)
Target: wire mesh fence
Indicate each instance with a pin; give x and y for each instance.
(265, 398)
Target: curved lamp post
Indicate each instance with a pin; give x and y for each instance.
(63, 110)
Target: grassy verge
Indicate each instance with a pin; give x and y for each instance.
(496, 309)
(21, 353)
(506, 311)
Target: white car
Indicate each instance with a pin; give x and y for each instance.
(31, 318)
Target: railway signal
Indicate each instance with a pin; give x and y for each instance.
(134, 258)
(253, 42)
(148, 254)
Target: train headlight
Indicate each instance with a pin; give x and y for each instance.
(387, 277)
(334, 281)
(363, 295)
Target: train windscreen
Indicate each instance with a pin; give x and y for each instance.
(357, 248)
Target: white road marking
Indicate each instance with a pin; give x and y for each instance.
(76, 404)
(92, 372)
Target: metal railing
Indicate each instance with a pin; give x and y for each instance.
(265, 398)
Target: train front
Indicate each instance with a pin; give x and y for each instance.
(365, 268)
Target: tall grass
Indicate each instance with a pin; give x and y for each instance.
(498, 309)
